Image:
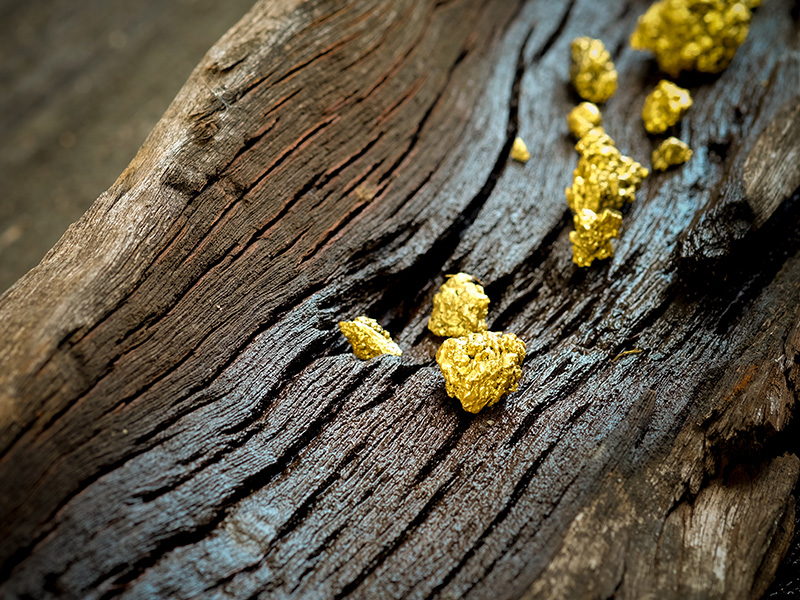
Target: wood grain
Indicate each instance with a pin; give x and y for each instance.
(180, 416)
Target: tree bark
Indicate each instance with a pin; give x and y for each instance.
(179, 414)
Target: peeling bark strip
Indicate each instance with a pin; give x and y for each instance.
(179, 414)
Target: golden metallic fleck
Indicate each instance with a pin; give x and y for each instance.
(480, 368)
(593, 233)
(604, 177)
(459, 307)
(669, 153)
(665, 106)
(519, 151)
(693, 35)
(368, 338)
(592, 71)
(626, 353)
(583, 118)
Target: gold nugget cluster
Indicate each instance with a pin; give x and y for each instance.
(479, 366)
(684, 35)
(663, 108)
(368, 338)
(603, 182)
(693, 35)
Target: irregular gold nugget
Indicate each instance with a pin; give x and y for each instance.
(693, 35)
(604, 177)
(480, 368)
(665, 106)
(459, 307)
(368, 338)
(593, 234)
(592, 71)
(519, 151)
(669, 153)
(583, 118)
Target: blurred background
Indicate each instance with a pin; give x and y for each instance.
(81, 85)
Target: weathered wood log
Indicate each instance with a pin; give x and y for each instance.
(179, 414)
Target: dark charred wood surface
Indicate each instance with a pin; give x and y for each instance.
(180, 416)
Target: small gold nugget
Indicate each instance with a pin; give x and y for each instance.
(480, 368)
(519, 151)
(592, 71)
(459, 307)
(368, 338)
(583, 118)
(693, 35)
(604, 177)
(671, 152)
(665, 106)
(593, 234)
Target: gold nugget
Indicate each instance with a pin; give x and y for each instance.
(459, 307)
(592, 71)
(593, 234)
(368, 338)
(602, 183)
(519, 151)
(480, 368)
(583, 118)
(671, 152)
(693, 35)
(604, 177)
(665, 106)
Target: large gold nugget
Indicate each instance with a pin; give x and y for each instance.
(459, 307)
(670, 153)
(665, 106)
(368, 338)
(593, 233)
(604, 177)
(480, 368)
(592, 71)
(693, 35)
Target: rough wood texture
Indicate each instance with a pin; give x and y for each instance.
(179, 414)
